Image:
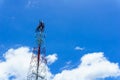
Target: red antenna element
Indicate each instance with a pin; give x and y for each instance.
(37, 70)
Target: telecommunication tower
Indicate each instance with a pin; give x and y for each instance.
(37, 69)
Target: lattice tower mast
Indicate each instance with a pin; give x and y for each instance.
(37, 70)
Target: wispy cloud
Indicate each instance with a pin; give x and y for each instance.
(67, 65)
(29, 4)
(33, 3)
(79, 48)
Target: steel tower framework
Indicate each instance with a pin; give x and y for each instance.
(37, 69)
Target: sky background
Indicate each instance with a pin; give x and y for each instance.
(90, 24)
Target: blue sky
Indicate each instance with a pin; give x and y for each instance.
(91, 24)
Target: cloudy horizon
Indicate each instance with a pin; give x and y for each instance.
(93, 66)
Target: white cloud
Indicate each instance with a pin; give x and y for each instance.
(16, 64)
(51, 58)
(92, 67)
(79, 48)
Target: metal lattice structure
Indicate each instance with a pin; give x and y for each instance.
(37, 70)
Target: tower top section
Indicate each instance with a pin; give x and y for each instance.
(40, 27)
(40, 36)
